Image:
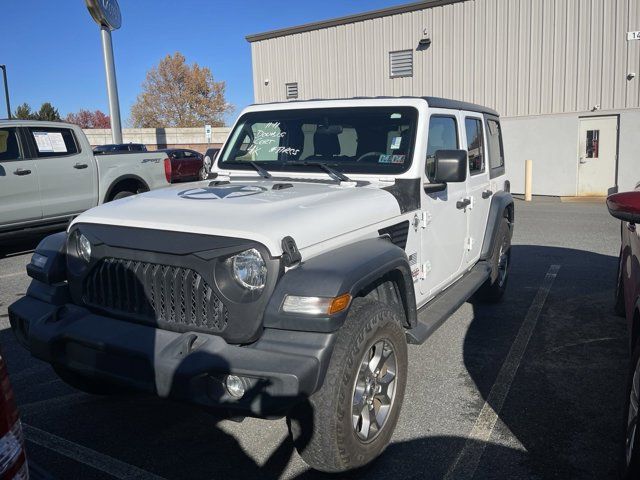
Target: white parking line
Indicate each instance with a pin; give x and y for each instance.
(86, 456)
(467, 461)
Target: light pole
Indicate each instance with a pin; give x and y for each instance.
(6, 90)
(106, 13)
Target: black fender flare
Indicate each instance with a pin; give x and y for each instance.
(500, 203)
(121, 178)
(349, 269)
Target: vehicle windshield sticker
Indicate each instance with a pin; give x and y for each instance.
(50, 142)
(395, 143)
(43, 142)
(397, 159)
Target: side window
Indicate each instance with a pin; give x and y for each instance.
(494, 140)
(475, 145)
(9, 146)
(53, 142)
(443, 135)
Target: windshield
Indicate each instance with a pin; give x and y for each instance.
(352, 140)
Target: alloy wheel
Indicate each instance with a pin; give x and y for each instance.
(374, 390)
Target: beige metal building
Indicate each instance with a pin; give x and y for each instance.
(564, 75)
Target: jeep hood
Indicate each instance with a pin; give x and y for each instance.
(262, 210)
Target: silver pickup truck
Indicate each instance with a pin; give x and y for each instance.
(48, 173)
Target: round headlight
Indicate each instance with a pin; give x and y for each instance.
(84, 248)
(249, 269)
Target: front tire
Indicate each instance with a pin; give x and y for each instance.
(619, 306)
(350, 420)
(631, 454)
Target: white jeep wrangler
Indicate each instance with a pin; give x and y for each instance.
(332, 234)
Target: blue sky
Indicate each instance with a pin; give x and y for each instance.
(52, 47)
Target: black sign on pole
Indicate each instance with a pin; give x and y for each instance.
(6, 90)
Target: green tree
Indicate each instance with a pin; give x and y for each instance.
(48, 112)
(23, 112)
(176, 94)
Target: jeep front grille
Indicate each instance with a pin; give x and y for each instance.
(161, 293)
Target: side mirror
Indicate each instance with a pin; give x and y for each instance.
(625, 206)
(450, 166)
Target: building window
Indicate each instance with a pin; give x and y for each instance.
(401, 63)
(475, 145)
(593, 140)
(292, 90)
(443, 135)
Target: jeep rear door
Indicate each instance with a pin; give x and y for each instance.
(478, 190)
(66, 171)
(19, 198)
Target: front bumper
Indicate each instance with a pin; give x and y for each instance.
(280, 369)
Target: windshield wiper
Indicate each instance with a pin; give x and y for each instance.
(323, 166)
(261, 170)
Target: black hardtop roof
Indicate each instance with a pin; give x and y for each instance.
(434, 102)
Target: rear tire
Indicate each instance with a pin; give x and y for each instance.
(493, 289)
(122, 194)
(350, 420)
(86, 384)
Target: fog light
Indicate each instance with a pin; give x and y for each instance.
(235, 386)
(39, 260)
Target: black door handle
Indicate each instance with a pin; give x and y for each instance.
(487, 194)
(80, 166)
(460, 204)
(631, 227)
(21, 172)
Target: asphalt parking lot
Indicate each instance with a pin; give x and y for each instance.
(531, 388)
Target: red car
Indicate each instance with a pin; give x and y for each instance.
(13, 462)
(185, 165)
(626, 207)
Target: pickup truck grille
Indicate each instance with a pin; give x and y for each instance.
(163, 294)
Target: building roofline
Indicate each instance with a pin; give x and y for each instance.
(359, 17)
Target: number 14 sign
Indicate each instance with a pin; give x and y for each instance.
(633, 35)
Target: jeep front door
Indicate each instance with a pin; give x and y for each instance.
(478, 191)
(444, 223)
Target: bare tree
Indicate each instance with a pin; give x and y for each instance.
(175, 94)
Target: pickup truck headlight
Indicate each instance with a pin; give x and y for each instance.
(249, 269)
(83, 246)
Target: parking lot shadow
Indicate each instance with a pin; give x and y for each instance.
(565, 406)
(561, 419)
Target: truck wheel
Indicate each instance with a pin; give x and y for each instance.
(86, 384)
(349, 421)
(494, 287)
(122, 194)
(631, 455)
(203, 174)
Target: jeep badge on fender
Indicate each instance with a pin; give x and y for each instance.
(333, 234)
